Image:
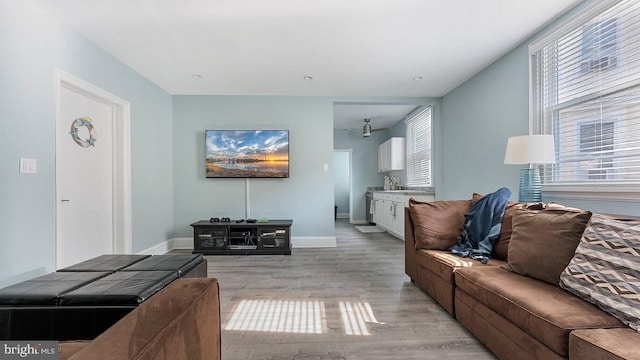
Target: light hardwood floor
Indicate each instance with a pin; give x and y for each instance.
(303, 306)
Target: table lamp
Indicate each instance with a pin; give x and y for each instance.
(531, 150)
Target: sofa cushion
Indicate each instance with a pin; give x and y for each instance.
(502, 337)
(444, 263)
(544, 241)
(544, 311)
(501, 247)
(622, 343)
(557, 206)
(475, 198)
(605, 270)
(435, 274)
(437, 224)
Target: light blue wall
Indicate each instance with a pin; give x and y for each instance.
(306, 196)
(479, 116)
(32, 46)
(341, 180)
(364, 164)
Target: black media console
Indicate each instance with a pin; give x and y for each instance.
(241, 238)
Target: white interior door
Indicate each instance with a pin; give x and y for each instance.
(84, 177)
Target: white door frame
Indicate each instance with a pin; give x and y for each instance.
(350, 151)
(122, 229)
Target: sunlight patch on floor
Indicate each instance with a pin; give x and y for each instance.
(299, 317)
(280, 316)
(355, 317)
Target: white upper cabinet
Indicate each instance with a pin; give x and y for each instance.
(391, 155)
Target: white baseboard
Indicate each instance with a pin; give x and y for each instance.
(298, 242)
(182, 243)
(166, 246)
(185, 243)
(342, 215)
(162, 248)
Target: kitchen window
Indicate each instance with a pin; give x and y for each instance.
(418, 145)
(586, 92)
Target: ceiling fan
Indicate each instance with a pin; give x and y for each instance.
(366, 129)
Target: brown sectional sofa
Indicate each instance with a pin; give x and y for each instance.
(515, 316)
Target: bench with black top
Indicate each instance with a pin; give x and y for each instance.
(186, 265)
(81, 304)
(106, 263)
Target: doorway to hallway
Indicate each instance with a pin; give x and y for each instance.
(342, 183)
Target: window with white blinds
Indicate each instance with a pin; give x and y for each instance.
(586, 92)
(418, 144)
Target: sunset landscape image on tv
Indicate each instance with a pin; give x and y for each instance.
(247, 153)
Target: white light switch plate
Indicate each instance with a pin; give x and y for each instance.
(28, 166)
(325, 167)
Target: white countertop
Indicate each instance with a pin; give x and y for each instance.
(407, 192)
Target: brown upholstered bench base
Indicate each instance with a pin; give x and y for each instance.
(180, 322)
(69, 348)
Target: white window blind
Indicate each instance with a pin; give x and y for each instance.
(419, 148)
(586, 92)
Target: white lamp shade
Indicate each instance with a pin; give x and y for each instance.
(530, 149)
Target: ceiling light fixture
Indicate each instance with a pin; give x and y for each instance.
(417, 78)
(308, 77)
(196, 76)
(366, 129)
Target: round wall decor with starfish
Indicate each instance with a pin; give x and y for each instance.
(88, 123)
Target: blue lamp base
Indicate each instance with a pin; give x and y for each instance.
(530, 185)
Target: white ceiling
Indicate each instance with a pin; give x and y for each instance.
(349, 117)
(350, 47)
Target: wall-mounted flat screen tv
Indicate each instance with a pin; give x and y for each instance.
(247, 153)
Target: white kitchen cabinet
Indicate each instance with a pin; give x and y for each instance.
(387, 221)
(382, 209)
(375, 213)
(391, 155)
(389, 207)
(397, 214)
(382, 158)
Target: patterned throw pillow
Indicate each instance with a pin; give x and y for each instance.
(606, 268)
